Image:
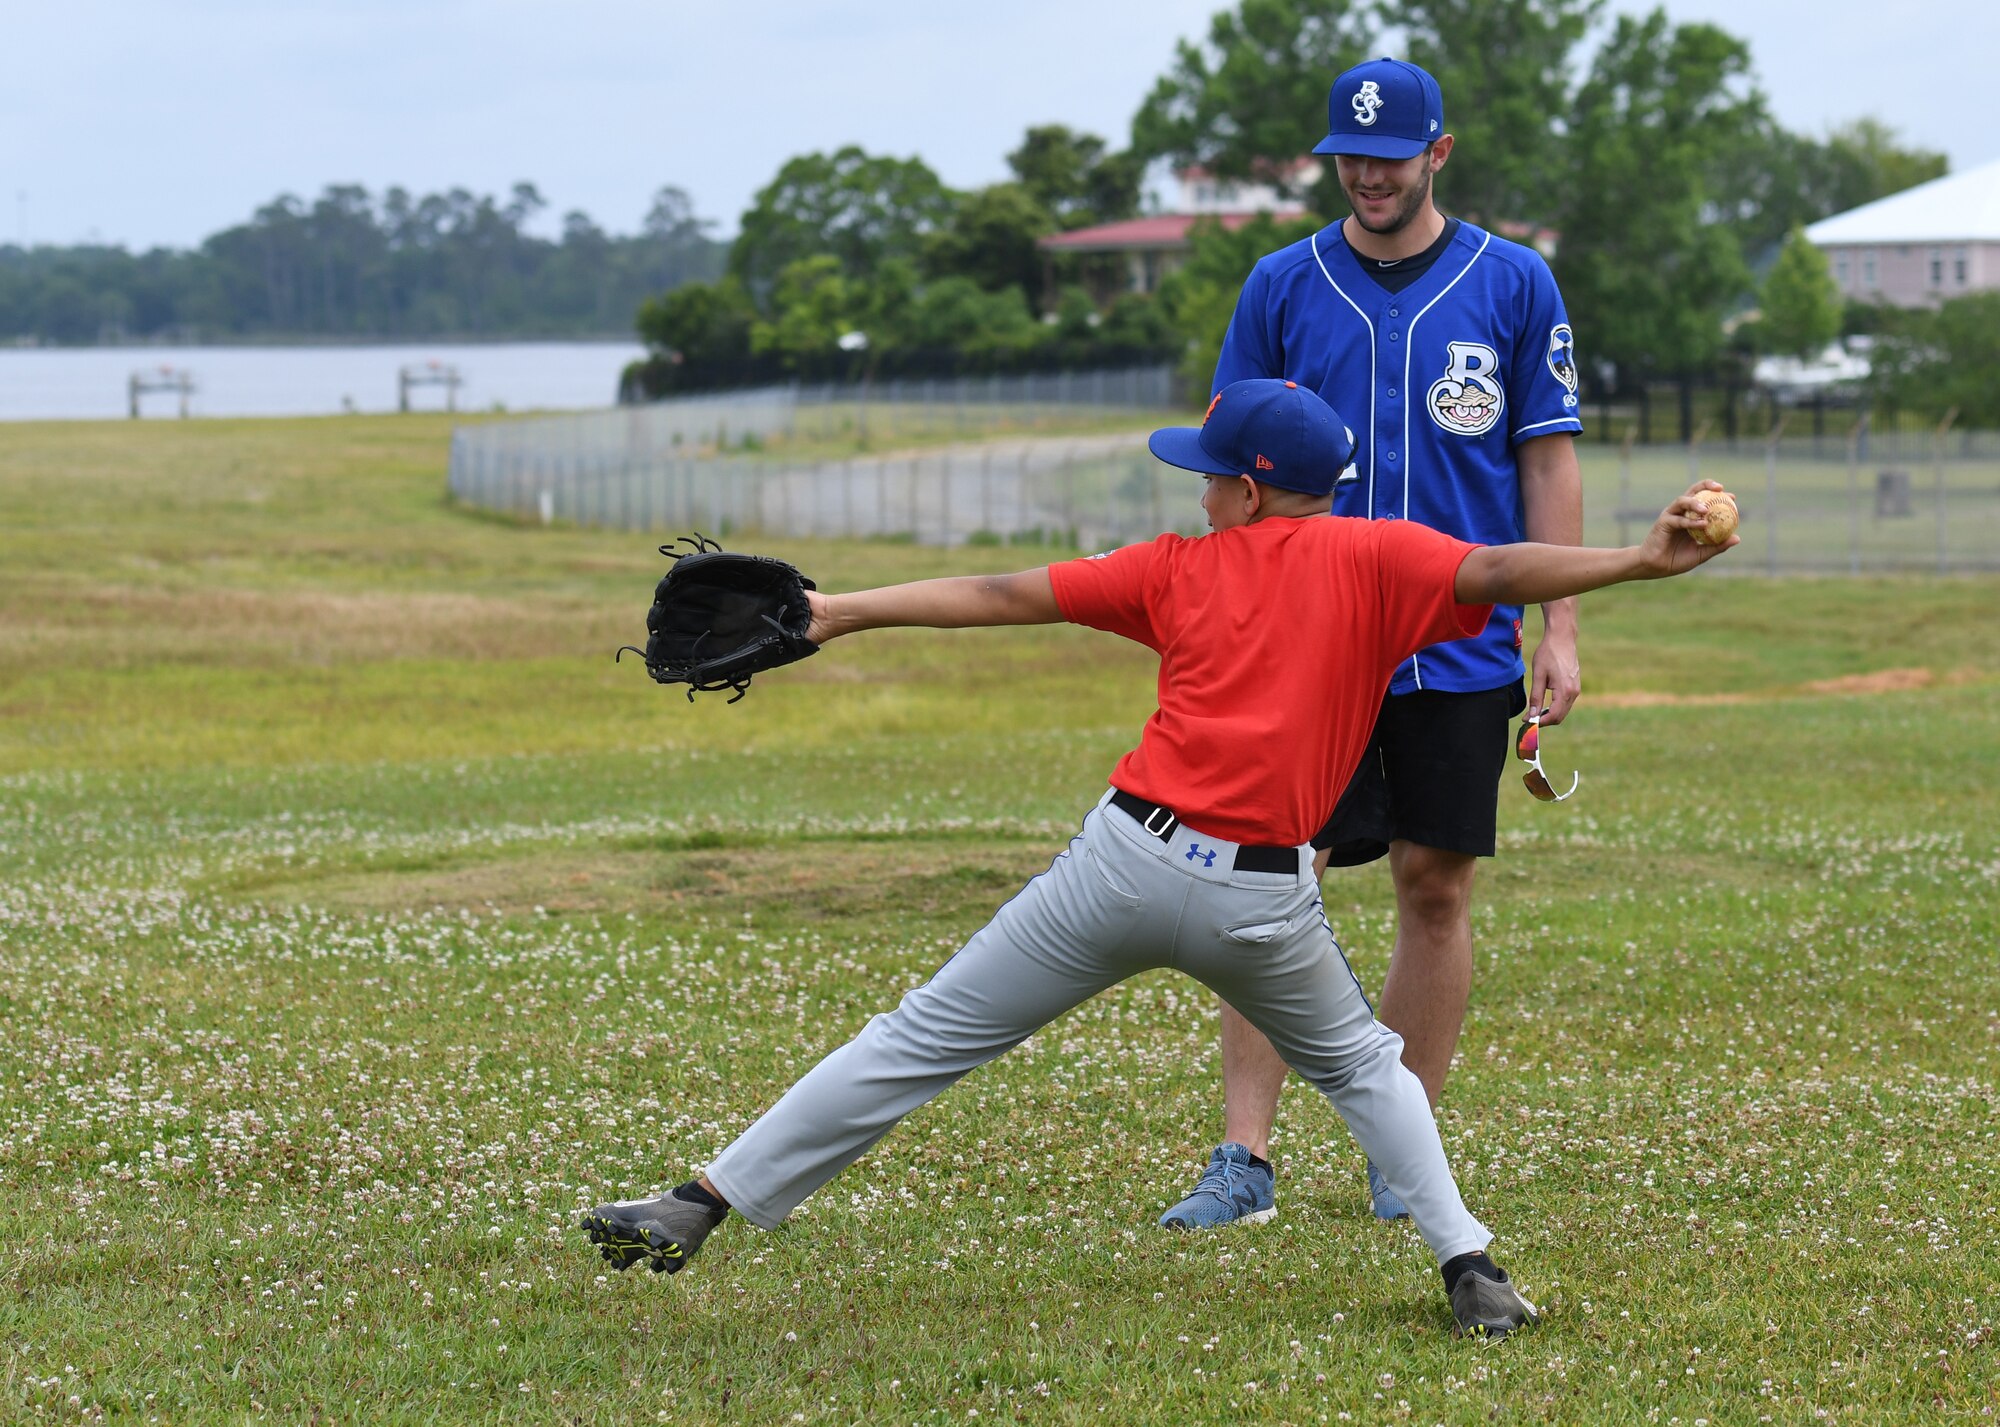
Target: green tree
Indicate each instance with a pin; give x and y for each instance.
(812, 306)
(1198, 297)
(990, 238)
(346, 264)
(1137, 323)
(1075, 177)
(1767, 181)
(1943, 360)
(1072, 336)
(1645, 271)
(674, 246)
(1867, 162)
(1504, 68)
(955, 314)
(1801, 301)
(1254, 97)
(853, 207)
(701, 323)
(1249, 100)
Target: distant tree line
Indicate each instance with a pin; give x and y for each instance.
(1643, 145)
(349, 265)
(852, 265)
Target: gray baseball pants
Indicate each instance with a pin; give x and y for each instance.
(1116, 902)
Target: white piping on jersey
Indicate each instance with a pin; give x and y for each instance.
(1314, 240)
(1557, 422)
(1408, 348)
(1409, 400)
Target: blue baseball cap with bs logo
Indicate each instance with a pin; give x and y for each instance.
(1384, 109)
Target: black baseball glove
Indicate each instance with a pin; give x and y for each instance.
(719, 617)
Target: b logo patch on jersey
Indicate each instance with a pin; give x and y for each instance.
(1468, 399)
(1562, 356)
(1368, 102)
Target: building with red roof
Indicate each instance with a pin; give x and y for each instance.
(1134, 254)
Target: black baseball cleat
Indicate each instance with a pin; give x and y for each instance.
(1489, 1308)
(665, 1232)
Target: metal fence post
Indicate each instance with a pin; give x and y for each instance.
(1855, 440)
(1943, 525)
(986, 492)
(1069, 491)
(945, 470)
(1624, 511)
(1771, 496)
(1021, 492)
(1694, 449)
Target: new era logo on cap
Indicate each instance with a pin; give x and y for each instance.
(1278, 431)
(1384, 109)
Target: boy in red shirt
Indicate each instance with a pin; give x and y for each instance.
(1197, 857)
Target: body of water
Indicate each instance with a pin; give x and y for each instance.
(91, 383)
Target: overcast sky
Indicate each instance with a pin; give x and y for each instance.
(158, 124)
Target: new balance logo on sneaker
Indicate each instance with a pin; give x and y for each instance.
(1236, 1188)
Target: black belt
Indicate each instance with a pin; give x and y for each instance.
(1161, 823)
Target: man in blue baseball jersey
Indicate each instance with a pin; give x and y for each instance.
(1448, 349)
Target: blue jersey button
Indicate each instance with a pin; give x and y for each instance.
(1395, 336)
(1392, 391)
(1395, 312)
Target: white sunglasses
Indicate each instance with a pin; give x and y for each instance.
(1528, 748)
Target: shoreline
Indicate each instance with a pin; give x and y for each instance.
(320, 343)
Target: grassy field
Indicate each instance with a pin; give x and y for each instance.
(360, 922)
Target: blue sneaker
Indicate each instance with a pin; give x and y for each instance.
(1386, 1204)
(1232, 1190)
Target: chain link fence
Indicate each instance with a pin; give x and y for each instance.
(1883, 497)
(1088, 492)
(553, 447)
(1891, 498)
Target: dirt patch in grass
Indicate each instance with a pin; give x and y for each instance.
(1879, 681)
(801, 879)
(1890, 681)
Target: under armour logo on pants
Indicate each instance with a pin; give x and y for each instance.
(1194, 851)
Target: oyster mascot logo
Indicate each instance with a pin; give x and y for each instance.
(1468, 399)
(1562, 357)
(1368, 102)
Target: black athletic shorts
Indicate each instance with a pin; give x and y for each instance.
(1431, 776)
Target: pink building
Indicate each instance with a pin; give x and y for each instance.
(1919, 247)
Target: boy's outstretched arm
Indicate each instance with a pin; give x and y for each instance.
(959, 602)
(1535, 574)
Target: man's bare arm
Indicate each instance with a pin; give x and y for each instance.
(1552, 512)
(958, 602)
(1534, 574)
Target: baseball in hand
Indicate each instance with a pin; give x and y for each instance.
(1722, 517)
